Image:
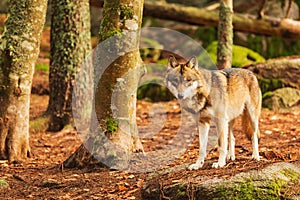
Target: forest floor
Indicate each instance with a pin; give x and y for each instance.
(42, 177)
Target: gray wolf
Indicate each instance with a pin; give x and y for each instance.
(218, 96)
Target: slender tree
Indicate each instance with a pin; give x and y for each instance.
(19, 50)
(225, 35)
(70, 45)
(115, 93)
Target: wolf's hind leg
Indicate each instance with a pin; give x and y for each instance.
(253, 113)
(231, 153)
(203, 137)
(255, 153)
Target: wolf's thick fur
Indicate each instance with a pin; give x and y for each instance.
(219, 96)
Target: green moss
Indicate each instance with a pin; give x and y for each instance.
(69, 126)
(163, 62)
(126, 12)
(111, 125)
(42, 67)
(272, 47)
(39, 124)
(275, 188)
(291, 174)
(241, 56)
(267, 85)
(111, 33)
(267, 95)
(247, 190)
(181, 191)
(110, 25)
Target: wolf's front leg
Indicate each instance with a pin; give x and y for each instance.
(222, 128)
(203, 137)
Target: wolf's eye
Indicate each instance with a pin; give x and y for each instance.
(188, 79)
(175, 81)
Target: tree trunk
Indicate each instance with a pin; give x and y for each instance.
(115, 93)
(70, 45)
(225, 35)
(18, 53)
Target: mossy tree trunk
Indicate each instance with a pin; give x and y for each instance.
(225, 35)
(70, 45)
(19, 50)
(118, 102)
(115, 93)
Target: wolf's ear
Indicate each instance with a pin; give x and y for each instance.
(192, 63)
(172, 61)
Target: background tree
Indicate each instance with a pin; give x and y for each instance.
(70, 45)
(19, 50)
(225, 35)
(121, 20)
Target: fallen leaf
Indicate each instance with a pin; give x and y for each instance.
(140, 183)
(131, 176)
(122, 188)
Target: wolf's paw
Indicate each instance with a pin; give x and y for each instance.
(218, 164)
(195, 166)
(255, 157)
(231, 157)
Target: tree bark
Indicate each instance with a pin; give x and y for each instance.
(225, 35)
(19, 50)
(70, 45)
(115, 93)
(119, 102)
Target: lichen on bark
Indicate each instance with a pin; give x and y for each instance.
(117, 65)
(225, 35)
(117, 87)
(19, 50)
(70, 45)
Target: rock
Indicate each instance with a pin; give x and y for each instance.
(285, 71)
(282, 99)
(277, 181)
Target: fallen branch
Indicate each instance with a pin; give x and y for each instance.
(286, 28)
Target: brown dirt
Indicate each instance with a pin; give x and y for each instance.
(41, 177)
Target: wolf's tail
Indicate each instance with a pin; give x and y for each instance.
(247, 125)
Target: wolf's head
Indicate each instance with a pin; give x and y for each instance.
(183, 79)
